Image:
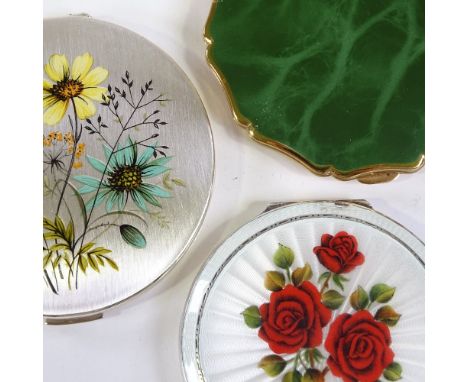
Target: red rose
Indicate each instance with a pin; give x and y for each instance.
(359, 347)
(293, 319)
(339, 253)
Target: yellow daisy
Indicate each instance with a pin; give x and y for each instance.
(79, 85)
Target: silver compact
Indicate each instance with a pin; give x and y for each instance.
(128, 166)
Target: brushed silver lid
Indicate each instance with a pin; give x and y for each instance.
(128, 165)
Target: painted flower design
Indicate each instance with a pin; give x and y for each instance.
(359, 347)
(339, 253)
(78, 85)
(125, 176)
(57, 148)
(292, 322)
(293, 319)
(70, 249)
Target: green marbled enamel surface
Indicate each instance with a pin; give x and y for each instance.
(340, 82)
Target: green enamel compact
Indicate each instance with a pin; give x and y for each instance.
(128, 166)
(336, 85)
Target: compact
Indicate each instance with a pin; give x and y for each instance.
(128, 166)
(337, 86)
(309, 291)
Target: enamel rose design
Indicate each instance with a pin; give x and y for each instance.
(299, 328)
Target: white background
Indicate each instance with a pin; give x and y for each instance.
(139, 341)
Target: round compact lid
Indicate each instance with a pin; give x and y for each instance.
(128, 165)
(324, 291)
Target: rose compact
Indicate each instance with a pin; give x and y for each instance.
(128, 166)
(311, 291)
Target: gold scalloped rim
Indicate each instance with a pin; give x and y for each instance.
(370, 175)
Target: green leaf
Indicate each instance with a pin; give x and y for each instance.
(83, 263)
(324, 276)
(52, 236)
(178, 182)
(274, 281)
(338, 280)
(111, 262)
(381, 293)
(85, 248)
(93, 262)
(393, 372)
(302, 274)
(283, 257)
(272, 365)
(292, 376)
(332, 299)
(132, 236)
(70, 232)
(99, 251)
(99, 260)
(58, 247)
(359, 299)
(59, 224)
(48, 224)
(252, 317)
(387, 315)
